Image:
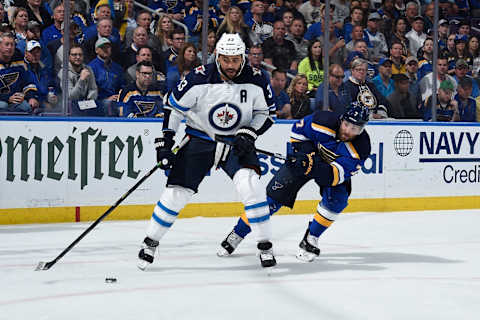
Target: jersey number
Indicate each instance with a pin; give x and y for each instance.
(182, 85)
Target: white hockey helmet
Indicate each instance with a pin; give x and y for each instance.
(230, 44)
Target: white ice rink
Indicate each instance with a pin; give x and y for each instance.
(418, 265)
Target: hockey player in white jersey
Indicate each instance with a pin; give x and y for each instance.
(227, 98)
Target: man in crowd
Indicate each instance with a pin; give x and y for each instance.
(426, 83)
(142, 98)
(446, 108)
(416, 36)
(18, 91)
(104, 30)
(54, 31)
(278, 51)
(461, 70)
(144, 53)
(338, 97)
(403, 105)
(279, 82)
(177, 38)
(378, 43)
(383, 81)
(467, 106)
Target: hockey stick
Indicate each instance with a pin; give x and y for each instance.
(48, 265)
(225, 140)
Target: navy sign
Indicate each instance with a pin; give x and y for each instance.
(224, 116)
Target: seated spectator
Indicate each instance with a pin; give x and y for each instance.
(19, 23)
(211, 39)
(255, 58)
(186, 61)
(144, 54)
(140, 39)
(279, 82)
(82, 88)
(221, 10)
(403, 105)
(425, 64)
(255, 20)
(378, 44)
(461, 70)
(426, 84)
(446, 108)
(104, 30)
(164, 27)
(383, 81)
(42, 77)
(360, 50)
(450, 45)
(233, 23)
(299, 106)
(474, 51)
(142, 98)
(467, 106)
(416, 36)
(356, 16)
(194, 19)
(398, 35)
(54, 31)
(56, 46)
(3, 14)
(311, 11)
(278, 51)
(312, 66)
(38, 12)
(460, 52)
(19, 93)
(338, 97)
(287, 18)
(398, 61)
(109, 76)
(464, 28)
(144, 19)
(33, 33)
(102, 11)
(357, 34)
(365, 92)
(412, 12)
(177, 39)
(295, 34)
(442, 34)
(341, 12)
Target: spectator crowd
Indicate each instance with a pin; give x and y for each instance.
(123, 59)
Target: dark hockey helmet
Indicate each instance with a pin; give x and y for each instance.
(357, 114)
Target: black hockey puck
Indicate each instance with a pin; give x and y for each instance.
(110, 280)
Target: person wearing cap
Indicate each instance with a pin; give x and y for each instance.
(403, 104)
(461, 72)
(443, 26)
(43, 77)
(383, 81)
(398, 60)
(426, 83)
(54, 31)
(460, 52)
(18, 92)
(378, 44)
(34, 33)
(109, 76)
(446, 108)
(416, 36)
(467, 106)
(104, 28)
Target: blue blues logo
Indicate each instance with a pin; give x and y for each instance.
(224, 116)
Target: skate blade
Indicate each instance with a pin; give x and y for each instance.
(142, 265)
(222, 253)
(305, 257)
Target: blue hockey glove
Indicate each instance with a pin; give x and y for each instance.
(301, 163)
(163, 146)
(244, 141)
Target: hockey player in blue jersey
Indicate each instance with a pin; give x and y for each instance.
(227, 98)
(328, 149)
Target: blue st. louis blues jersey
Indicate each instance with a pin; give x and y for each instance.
(318, 133)
(15, 77)
(137, 104)
(212, 106)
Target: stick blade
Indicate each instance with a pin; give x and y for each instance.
(43, 266)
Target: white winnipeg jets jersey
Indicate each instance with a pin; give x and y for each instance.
(213, 106)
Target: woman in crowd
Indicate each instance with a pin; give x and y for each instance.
(299, 106)
(233, 23)
(164, 26)
(451, 44)
(211, 40)
(474, 50)
(20, 21)
(186, 61)
(398, 35)
(425, 57)
(312, 66)
(460, 52)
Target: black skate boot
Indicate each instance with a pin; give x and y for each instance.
(266, 254)
(147, 252)
(229, 245)
(308, 250)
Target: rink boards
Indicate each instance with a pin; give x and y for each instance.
(73, 169)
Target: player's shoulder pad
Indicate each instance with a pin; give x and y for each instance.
(197, 76)
(255, 76)
(362, 145)
(326, 119)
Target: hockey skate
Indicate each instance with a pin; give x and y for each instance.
(147, 252)
(267, 259)
(229, 245)
(308, 250)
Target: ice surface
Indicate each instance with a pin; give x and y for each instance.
(414, 265)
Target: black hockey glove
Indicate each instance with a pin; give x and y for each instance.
(244, 141)
(165, 156)
(301, 163)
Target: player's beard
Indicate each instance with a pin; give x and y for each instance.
(234, 71)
